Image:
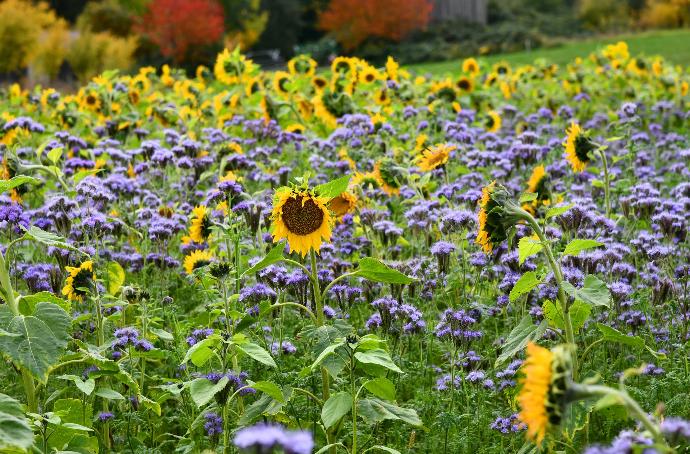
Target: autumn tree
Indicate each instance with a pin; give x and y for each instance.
(178, 26)
(353, 21)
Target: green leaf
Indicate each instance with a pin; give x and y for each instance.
(579, 314)
(274, 255)
(528, 197)
(593, 292)
(269, 388)
(378, 357)
(613, 335)
(375, 270)
(86, 387)
(576, 246)
(381, 387)
(385, 449)
(109, 394)
(329, 350)
(203, 390)
(6, 185)
(518, 338)
(376, 410)
(55, 154)
(557, 211)
(42, 337)
(524, 285)
(528, 247)
(15, 431)
(333, 188)
(71, 411)
(337, 406)
(162, 334)
(116, 277)
(27, 303)
(47, 238)
(202, 351)
(257, 353)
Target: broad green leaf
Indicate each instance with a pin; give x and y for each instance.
(376, 410)
(333, 188)
(47, 238)
(27, 303)
(71, 411)
(55, 154)
(524, 285)
(202, 351)
(86, 386)
(6, 185)
(42, 337)
(528, 197)
(518, 338)
(337, 406)
(378, 357)
(528, 247)
(269, 388)
(384, 448)
(576, 246)
(203, 390)
(257, 353)
(116, 277)
(274, 255)
(381, 387)
(329, 350)
(557, 211)
(15, 432)
(162, 334)
(593, 292)
(579, 314)
(613, 335)
(109, 394)
(149, 404)
(375, 270)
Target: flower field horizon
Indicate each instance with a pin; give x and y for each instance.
(361, 259)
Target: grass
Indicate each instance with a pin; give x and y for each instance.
(673, 45)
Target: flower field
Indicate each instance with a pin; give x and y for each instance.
(349, 259)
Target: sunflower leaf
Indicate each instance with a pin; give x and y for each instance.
(518, 338)
(375, 270)
(6, 185)
(274, 255)
(333, 188)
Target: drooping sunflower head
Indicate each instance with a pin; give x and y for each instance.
(435, 156)
(231, 66)
(302, 64)
(80, 281)
(546, 375)
(577, 147)
(389, 176)
(471, 66)
(301, 217)
(197, 259)
(498, 213)
(343, 204)
(537, 181)
(281, 82)
(493, 121)
(200, 229)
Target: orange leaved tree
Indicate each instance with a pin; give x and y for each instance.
(353, 21)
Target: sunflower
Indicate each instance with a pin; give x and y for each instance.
(319, 83)
(491, 229)
(91, 101)
(343, 204)
(470, 66)
(543, 394)
(197, 259)
(502, 68)
(80, 281)
(392, 69)
(302, 218)
(342, 65)
(433, 157)
(200, 229)
(493, 121)
(231, 66)
(388, 176)
(536, 181)
(465, 84)
(253, 85)
(295, 128)
(281, 81)
(368, 75)
(302, 64)
(577, 147)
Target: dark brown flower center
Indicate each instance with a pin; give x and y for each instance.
(302, 218)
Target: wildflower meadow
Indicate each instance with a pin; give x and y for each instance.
(348, 259)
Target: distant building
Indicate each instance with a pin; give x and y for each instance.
(469, 10)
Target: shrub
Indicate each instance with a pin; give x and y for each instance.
(92, 53)
(353, 21)
(177, 26)
(245, 22)
(106, 16)
(51, 49)
(666, 14)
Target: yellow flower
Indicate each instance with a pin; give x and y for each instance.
(534, 394)
(536, 179)
(465, 84)
(433, 157)
(197, 259)
(296, 128)
(342, 65)
(231, 66)
(368, 75)
(684, 88)
(387, 177)
(79, 281)
(493, 121)
(343, 204)
(200, 229)
(577, 146)
(319, 83)
(302, 218)
(484, 234)
(281, 81)
(470, 66)
(302, 64)
(392, 69)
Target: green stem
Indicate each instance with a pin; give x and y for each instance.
(607, 181)
(300, 306)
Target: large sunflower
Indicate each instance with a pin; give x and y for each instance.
(493, 121)
(302, 218)
(80, 281)
(197, 259)
(433, 157)
(200, 229)
(543, 394)
(577, 147)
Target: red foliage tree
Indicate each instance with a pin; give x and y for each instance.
(353, 21)
(176, 26)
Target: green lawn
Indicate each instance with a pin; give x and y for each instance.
(673, 45)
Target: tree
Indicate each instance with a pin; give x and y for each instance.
(179, 26)
(353, 21)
